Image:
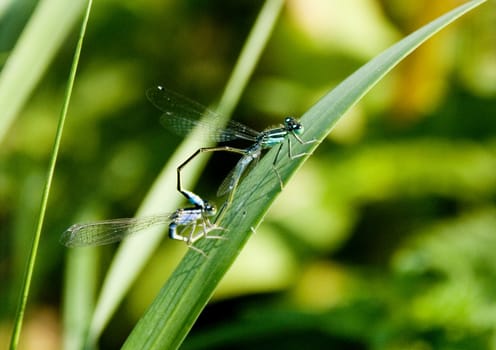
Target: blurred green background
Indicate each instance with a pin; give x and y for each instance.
(385, 239)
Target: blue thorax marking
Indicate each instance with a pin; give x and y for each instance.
(187, 216)
(194, 199)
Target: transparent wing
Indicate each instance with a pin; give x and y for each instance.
(231, 181)
(108, 231)
(182, 114)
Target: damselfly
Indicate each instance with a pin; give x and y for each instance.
(181, 115)
(114, 230)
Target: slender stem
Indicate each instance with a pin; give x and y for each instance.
(14, 342)
(250, 56)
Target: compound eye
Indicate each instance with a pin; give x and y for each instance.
(209, 207)
(289, 122)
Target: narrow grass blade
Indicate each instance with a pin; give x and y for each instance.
(163, 196)
(46, 191)
(45, 32)
(181, 300)
(80, 279)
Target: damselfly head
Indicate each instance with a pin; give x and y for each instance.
(209, 209)
(293, 125)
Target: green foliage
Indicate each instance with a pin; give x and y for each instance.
(383, 239)
(181, 300)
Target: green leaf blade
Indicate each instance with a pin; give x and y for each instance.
(180, 301)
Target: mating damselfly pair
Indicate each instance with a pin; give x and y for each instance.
(181, 115)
